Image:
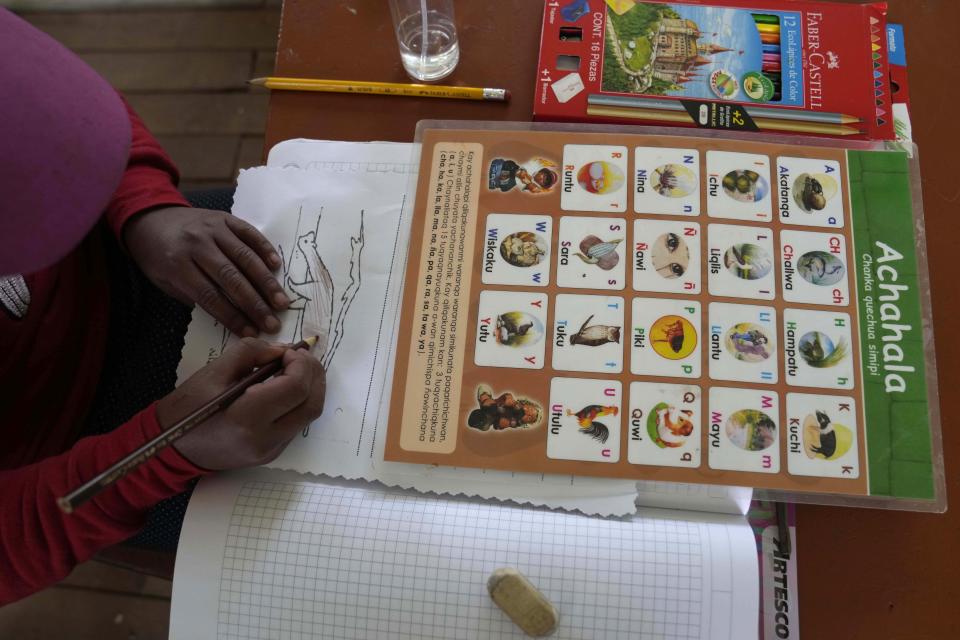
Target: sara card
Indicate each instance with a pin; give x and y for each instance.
(740, 262)
(744, 430)
(594, 178)
(813, 268)
(665, 337)
(517, 250)
(738, 186)
(822, 436)
(743, 343)
(584, 420)
(587, 333)
(665, 424)
(666, 256)
(818, 349)
(592, 253)
(809, 192)
(666, 181)
(511, 330)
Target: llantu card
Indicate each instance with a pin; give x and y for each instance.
(594, 178)
(592, 253)
(511, 330)
(664, 425)
(743, 342)
(743, 430)
(822, 436)
(517, 250)
(813, 268)
(665, 338)
(587, 333)
(584, 420)
(666, 256)
(809, 192)
(666, 181)
(740, 262)
(818, 349)
(738, 186)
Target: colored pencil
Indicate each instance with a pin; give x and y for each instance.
(771, 48)
(771, 57)
(771, 66)
(89, 489)
(666, 104)
(766, 124)
(770, 38)
(383, 88)
(765, 18)
(768, 28)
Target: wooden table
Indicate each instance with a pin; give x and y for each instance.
(863, 573)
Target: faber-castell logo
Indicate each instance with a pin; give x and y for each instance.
(833, 60)
(815, 60)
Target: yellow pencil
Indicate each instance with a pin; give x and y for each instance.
(383, 88)
(763, 123)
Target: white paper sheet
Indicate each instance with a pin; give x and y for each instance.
(263, 556)
(297, 208)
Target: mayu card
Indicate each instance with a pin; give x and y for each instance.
(592, 253)
(741, 262)
(809, 192)
(813, 268)
(584, 420)
(666, 181)
(744, 432)
(743, 342)
(664, 424)
(818, 349)
(517, 250)
(822, 436)
(738, 186)
(587, 333)
(511, 330)
(665, 338)
(666, 256)
(594, 178)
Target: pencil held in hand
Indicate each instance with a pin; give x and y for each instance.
(185, 425)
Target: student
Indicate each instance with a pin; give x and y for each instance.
(86, 189)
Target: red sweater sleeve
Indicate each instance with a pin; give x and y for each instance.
(150, 180)
(40, 545)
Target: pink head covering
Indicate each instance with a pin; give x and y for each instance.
(64, 143)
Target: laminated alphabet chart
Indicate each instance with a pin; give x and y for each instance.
(668, 307)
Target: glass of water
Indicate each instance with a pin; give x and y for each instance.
(427, 37)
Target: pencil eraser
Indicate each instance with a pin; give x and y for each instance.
(522, 602)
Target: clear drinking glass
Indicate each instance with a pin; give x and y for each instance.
(427, 37)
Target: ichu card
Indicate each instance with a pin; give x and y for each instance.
(629, 305)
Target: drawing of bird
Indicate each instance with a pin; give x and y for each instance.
(586, 419)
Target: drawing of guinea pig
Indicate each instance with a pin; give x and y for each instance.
(828, 437)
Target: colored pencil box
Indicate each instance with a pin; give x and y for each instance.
(793, 67)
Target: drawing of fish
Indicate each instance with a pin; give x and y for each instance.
(596, 335)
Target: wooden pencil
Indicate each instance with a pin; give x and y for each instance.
(762, 123)
(383, 88)
(89, 489)
(754, 111)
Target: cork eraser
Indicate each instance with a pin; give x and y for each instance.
(522, 602)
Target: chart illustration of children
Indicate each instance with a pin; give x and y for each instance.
(537, 175)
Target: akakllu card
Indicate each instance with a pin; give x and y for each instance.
(809, 192)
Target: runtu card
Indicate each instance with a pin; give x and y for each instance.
(594, 178)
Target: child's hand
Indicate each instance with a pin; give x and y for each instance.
(260, 423)
(212, 259)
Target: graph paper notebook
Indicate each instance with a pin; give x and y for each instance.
(264, 555)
